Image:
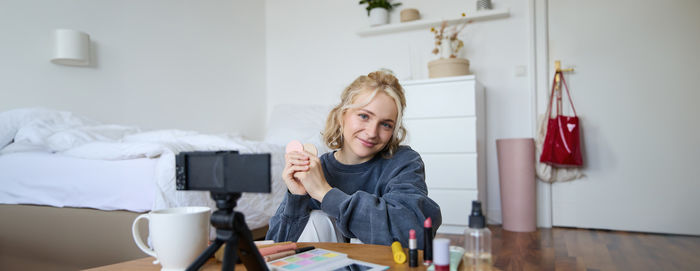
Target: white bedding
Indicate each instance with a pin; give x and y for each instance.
(58, 180)
(94, 150)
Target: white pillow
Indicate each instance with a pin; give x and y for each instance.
(13, 121)
(41, 124)
(298, 122)
(36, 125)
(22, 147)
(8, 127)
(73, 137)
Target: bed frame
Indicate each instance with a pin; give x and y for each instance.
(36, 237)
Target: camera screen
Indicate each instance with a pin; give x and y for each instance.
(205, 172)
(223, 171)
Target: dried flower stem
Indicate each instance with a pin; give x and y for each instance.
(450, 36)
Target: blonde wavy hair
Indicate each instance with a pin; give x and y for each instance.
(374, 82)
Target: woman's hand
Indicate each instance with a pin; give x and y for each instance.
(313, 179)
(295, 162)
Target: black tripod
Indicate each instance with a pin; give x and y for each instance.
(232, 230)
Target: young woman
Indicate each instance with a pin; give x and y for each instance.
(370, 187)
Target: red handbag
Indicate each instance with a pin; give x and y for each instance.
(562, 143)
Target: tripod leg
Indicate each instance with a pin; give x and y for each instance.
(205, 255)
(250, 254)
(230, 255)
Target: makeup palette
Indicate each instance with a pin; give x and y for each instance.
(319, 259)
(307, 260)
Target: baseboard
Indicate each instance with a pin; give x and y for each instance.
(493, 216)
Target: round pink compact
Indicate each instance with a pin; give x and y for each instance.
(294, 145)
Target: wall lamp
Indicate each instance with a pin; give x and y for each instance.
(71, 47)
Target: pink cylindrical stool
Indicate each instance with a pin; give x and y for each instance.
(516, 171)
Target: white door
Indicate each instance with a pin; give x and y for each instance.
(636, 88)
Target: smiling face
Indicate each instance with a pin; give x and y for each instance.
(367, 129)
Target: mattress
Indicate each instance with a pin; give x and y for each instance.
(56, 158)
(44, 178)
(137, 185)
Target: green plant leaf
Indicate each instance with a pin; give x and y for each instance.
(378, 4)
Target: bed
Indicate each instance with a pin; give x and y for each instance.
(71, 187)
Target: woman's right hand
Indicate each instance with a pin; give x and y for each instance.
(295, 162)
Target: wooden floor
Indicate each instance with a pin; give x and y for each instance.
(583, 249)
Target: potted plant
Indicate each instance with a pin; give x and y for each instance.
(448, 46)
(378, 11)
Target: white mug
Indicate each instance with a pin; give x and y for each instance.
(178, 235)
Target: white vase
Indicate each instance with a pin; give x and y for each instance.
(378, 16)
(445, 48)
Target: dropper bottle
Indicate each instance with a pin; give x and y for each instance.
(477, 241)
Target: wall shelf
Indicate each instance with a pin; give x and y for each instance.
(426, 24)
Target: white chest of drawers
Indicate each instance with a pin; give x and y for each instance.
(445, 122)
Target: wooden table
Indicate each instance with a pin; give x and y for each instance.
(368, 253)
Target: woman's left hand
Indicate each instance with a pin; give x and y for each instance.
(313, 179)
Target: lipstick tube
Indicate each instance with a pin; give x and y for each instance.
(428, 241)
(412, 249)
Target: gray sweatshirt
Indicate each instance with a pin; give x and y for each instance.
(377, 201)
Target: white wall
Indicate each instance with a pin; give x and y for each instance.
(313, 52)
(635, 87)
(199, 64)
(158, 64)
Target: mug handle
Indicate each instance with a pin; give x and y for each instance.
(137, 235)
